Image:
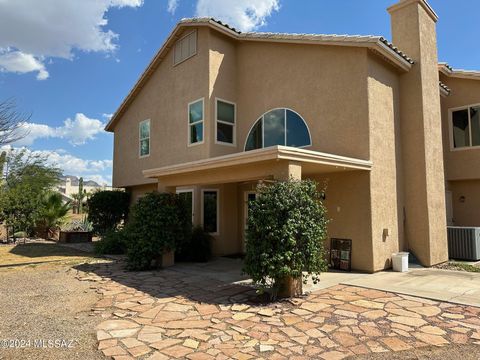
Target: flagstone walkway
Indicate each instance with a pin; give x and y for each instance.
(168, 314)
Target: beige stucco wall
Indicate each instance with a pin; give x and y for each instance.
(163, 100)
(136, 192)
(348, 205)
(386, 183)
(460, 164)
(414, 31)
(465, 202)
(313, 81)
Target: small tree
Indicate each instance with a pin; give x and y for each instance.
(158, 223)
(107, 209)
(26, 179)
(53, 213)
(11, 122)
(287, 226)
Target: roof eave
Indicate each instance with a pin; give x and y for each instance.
(374, 43)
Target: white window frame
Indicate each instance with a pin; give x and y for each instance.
(218, 209)
(140, 138)
(196, 122)
(450, 128)
(234, 125)
(179, 41)
(189, 190)
(261, 118)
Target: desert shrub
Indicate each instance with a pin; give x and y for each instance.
(107, 209)
(287, 226)
(158, 223)
(113, 242)
(197, 248)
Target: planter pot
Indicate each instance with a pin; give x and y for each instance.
(165, 260)
(75, 236)
(290, 287)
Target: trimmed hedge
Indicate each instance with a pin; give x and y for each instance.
(287, 226)
(107, 210)
(159, 223)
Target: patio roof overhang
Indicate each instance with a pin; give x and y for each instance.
(254, 165)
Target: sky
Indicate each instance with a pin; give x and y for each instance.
(68, 64)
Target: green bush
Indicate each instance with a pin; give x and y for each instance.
(158, 224)
(287, 226)
(197, 248)
(112, 243)
(107, 209)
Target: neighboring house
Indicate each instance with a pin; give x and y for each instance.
(218, 111)
(69, 185)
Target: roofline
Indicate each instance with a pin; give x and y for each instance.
(271, 153)
(423, 3)
(377, 44)
(447, 70)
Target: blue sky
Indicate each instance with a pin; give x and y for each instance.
(70, 63)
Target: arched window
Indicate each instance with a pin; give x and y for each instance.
(278, 127)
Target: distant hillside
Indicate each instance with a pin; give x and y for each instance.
(75, 181)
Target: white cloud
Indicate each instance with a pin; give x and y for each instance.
(172, 6)
(32, 30)
(245, 15)
(96, 170)
(77, 131)
(19, 62)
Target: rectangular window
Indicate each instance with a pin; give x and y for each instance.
(210, 211)
(185, 48)
(187, 196)
(195, 122)
(144, 138)
(225, 122)
(466, 127)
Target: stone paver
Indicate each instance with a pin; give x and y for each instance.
(171, 314)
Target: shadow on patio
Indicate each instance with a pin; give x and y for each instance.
(217, 282)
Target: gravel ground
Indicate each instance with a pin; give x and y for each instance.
(46, 302)
(463, 352)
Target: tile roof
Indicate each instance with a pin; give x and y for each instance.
(296, 36)
(444, 87)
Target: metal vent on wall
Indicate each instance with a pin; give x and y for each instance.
(464, 243)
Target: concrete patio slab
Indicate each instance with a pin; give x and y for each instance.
(444, 285)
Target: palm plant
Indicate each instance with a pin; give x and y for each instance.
(53, 212)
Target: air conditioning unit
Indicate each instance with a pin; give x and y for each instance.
(464, 243)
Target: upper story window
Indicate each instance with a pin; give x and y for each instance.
(195, 122)
(465, 124)
(225, 122)
(144, 138)
(278, 127)
(185, 48)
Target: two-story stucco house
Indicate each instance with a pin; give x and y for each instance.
(217, 111)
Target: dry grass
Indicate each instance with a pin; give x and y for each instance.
(35, 254)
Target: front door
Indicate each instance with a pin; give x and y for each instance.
(249, 197)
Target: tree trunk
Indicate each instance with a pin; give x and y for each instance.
(290, 287)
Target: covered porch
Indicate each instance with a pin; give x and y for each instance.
(219, 190)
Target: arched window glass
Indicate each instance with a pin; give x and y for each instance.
(278, 127)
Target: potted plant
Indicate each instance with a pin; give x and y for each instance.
(287, 226)
(77, 231)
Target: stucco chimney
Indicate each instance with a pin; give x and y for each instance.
(414, 32)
